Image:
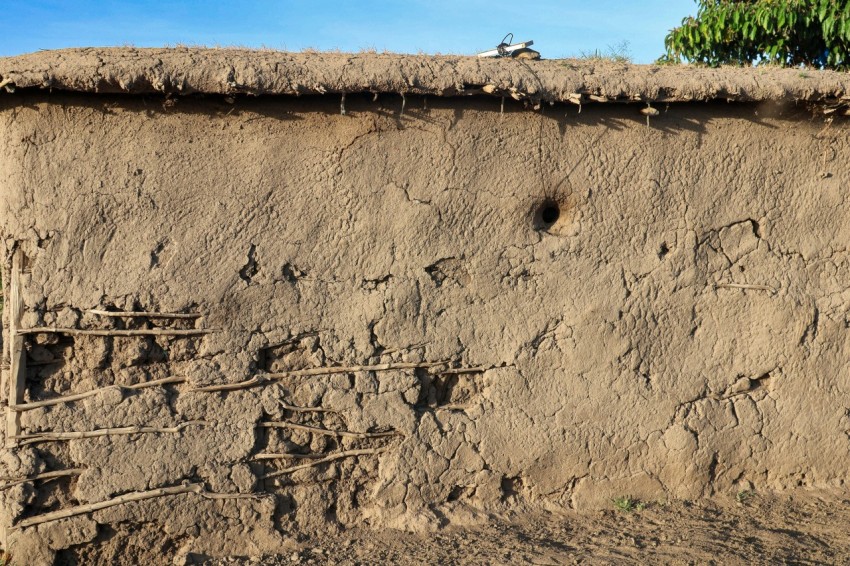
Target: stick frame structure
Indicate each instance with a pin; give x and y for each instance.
(17, 353)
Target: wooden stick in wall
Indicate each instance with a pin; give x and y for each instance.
(105, 332)
(330, 458)
(91, 393)
(11, 482)
(143, 314)
(127, 498)
(17, 354)
(325, 431)
(77, 434)
(327, 370)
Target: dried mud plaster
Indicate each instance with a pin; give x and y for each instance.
(409, 320)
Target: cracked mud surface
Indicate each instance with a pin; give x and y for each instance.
(400, 333)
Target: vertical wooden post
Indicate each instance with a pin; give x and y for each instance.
(17, 355)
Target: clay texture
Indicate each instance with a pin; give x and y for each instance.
(678, 330)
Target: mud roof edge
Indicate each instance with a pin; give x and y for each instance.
(183, 71)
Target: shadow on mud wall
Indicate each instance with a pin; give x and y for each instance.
(409, 110)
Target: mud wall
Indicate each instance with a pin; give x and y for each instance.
(413, 313)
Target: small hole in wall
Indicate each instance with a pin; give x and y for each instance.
(550, 214)
(547, 214)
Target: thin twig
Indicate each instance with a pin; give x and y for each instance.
(144, 314)
(104, 332)
(326, 432)
(480, 369)
(212, 495)
(327, 370)
(745, 286)
(404, 349)
(281, 456)
(127, 498)
(44, 476)
(331, 458)
(74, 435)
(93, 392)
(449, 407)
(351, 369)
(256, 380)
(297, 409)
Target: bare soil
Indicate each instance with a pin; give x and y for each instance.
(749, 528)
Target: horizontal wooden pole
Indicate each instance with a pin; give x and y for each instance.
(105, 332)
(325, 370)
(325, 431)
(196, 488)
(85, 395)
(144, 314)
(77, 434)
(329, 458)
(11, 482)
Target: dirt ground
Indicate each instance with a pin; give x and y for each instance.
(761, 530)
(803, 528)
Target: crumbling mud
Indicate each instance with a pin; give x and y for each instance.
(241, 319)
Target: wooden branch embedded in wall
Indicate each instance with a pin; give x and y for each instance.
(327, 432)
(77, 434)
(105, 332)
(17, 354)
(11, 482)
(127, 498)
(144, 314)
(329, 458)
(91, 393)
(327, 370)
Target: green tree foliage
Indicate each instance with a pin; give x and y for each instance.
(814, 33)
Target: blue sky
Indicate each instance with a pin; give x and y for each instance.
(559, 28)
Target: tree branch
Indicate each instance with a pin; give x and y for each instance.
(331, 458)
(78, 396)
(144, 314)
(327, 370)
(105, 332)
(196, 488)
(326, 432)
(74, 435)
(11, 482)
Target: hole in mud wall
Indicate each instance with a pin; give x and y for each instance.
(547, 214)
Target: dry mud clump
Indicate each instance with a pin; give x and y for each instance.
(234, 321)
